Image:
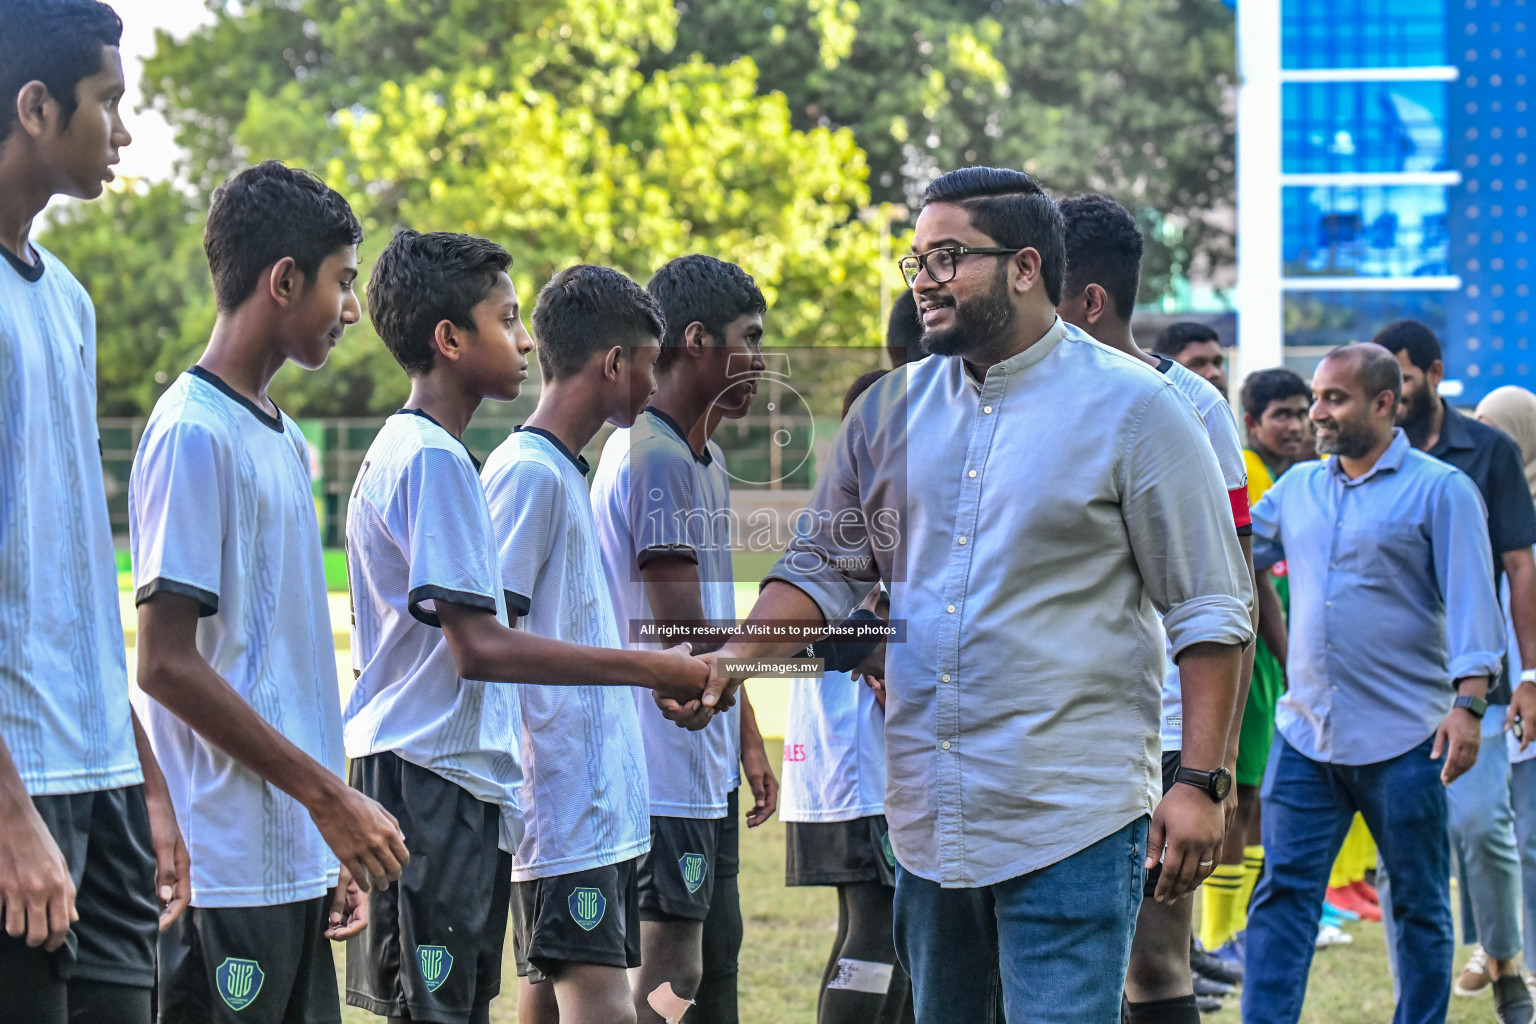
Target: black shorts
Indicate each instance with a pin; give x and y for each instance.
(585, 917)
(839, 852)
(250, 965)
(1171, 761)
(432, 948)
(104, 837)
(728, 850)
(677, 878)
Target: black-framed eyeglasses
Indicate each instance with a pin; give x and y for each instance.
(940, 263)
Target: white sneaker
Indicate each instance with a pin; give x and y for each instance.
(1332, 935)
(1474, 978)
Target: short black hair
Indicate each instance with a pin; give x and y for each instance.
(1103, 248)
(903, 330)
(56, 42)
(421, 280)
(267, 212)
(703, 289)
(1376, 370)
(1175, 338)
(1012, 209)
(860, 385)
(1413, 337)
(586, 309)
(1264, 388)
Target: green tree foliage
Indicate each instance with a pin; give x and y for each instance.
(139, 253)
(1126, 97)
(530, 122)
(627, 132)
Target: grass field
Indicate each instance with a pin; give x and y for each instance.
(789, 933)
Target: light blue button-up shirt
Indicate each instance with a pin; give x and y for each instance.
(1391, 600)
(1031, 525)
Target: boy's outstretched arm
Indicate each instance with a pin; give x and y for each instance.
(485, 649)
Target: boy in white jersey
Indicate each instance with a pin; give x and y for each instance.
(715, 1002)
(237, 667)
(664, 526)
(434, 743)
(1098, 294)
(584, 798)
(88, 837)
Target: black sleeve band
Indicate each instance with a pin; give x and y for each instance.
(433, 593)
(160, 585)
(517, 604)
(845, 655)
(659, 550)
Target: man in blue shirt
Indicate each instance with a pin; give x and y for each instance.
(1482, 821)
(1385, 535)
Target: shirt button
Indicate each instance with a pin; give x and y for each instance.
(971, 474)
(950, 609)
(945, 744)
(962, 540)
(987, 409)
(944, 677)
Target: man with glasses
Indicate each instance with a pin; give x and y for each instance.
(1065, 493)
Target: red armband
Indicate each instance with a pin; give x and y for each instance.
(1241, 515)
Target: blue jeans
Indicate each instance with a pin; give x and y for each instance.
(1522, 792)
(1052, 946)
(1483, 840)
(1308, 806)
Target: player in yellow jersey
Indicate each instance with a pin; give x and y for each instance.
(1275, 404)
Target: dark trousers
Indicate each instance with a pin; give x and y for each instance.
(1308, 806)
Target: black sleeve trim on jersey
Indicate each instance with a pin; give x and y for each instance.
(517, 604)
(1246, 530)
(657, 550)
(432, 593)
(160, 585)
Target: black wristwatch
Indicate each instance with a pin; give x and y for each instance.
(1216, 784)
(1476, 705)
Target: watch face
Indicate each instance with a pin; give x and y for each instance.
(1221, 783)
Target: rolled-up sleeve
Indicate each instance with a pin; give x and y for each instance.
(1179, 525)
(1474, 623)
(1268, 548)
(831, 556)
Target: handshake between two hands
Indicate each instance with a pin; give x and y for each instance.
(691, 689)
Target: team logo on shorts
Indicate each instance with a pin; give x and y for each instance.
(885, 848)
(693, 870)
(435, 963)
(587, 907)
(239, 982)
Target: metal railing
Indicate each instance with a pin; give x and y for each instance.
(756, 461)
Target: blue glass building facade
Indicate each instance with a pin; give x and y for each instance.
(1405, 148)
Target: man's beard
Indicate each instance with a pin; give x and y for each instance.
(1352, 440)
(977, 322)
(1417, 417)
